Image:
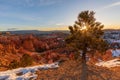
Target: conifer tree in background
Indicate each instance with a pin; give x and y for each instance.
(86, 35)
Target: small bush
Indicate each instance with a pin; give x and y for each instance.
(13, 64)
(26, 60)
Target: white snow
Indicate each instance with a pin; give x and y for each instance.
(116, 41)
(25, 73)
(116, 53)
(110, 63)
(113, 41)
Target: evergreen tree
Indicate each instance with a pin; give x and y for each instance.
(86, 35)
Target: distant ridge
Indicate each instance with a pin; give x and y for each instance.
(46, 32)
(111, 29)
(35, 31)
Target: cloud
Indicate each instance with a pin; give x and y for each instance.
(40, 2)
(21, 16)
(12, 29)
(29, 3)
(112, 5)
(59, 24)
(32, 3)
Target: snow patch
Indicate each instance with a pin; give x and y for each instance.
(25, 73)
(109, 64)
(116, 53)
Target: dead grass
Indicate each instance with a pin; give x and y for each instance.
(71, 70)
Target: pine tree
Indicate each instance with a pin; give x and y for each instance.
(86, 35)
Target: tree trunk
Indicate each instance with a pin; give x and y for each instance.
(84, 74)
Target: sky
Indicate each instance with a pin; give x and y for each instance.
(55, 14)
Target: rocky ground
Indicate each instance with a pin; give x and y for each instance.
(71, 70)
